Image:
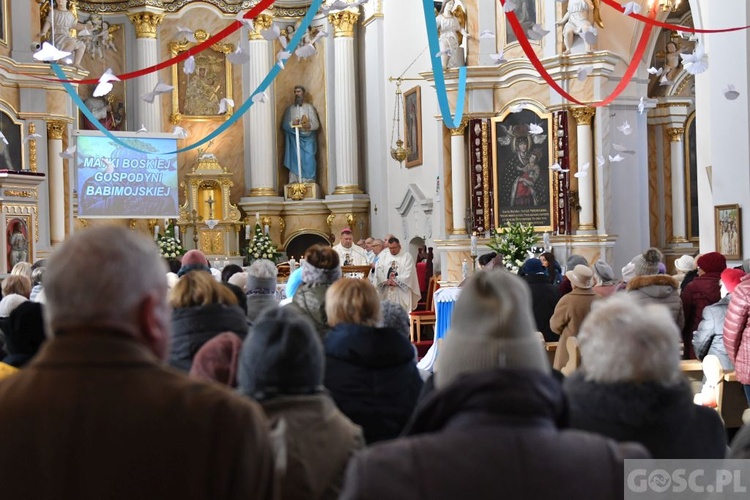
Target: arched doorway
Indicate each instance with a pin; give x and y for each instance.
(298, 244)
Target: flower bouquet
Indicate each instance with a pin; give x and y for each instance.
(513, 242)
(169, 247)
(261, 247)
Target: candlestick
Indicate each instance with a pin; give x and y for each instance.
(247, 231)
(473, 245)
(156, 232)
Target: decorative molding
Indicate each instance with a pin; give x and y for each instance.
(56, 129)
(145, 23)
(21, 193)
(350, 189)
(343, 23)
(282, 227)
(329, 221)
(676, 134)
(261, 23)
(583, 115)
(414, 195)
(461, 129)
(32, 148)
(351, 220)
(262, 191)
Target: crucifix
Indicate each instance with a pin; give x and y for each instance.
(210, 202)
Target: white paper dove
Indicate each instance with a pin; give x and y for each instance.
(641, 106)
(697, 62)
(516, 109)
(104, 86)
(337, 5)
(187, 33)
(625, 128)
(68, 153)
(731, 93)
(599, 161)
(271, 33)
(535, 129)
(225, 104)
(308, 50)
(260, 97)
(142, 130)
(84, 32)
(583, 73)
(664, 81)
(282, 56)
(3, 138)
(498, 58)
(509, 6)
(189, 67)
(555, 167)
(32, 136)
(247, 22)
(48, 53)
(616, 158)
(590, 36)
(239, 56)
(179, 132)
(160, 88)
(632, 8)
(487, 34)
(583, 170)
(654, 71)
(537, 32)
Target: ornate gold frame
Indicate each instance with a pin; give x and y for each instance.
(175, 48)
(417, 93)
(718, 209)
(543, 116)
(10, 113)
(688, 192)
(27, 219)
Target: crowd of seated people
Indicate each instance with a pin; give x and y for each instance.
(146, 383)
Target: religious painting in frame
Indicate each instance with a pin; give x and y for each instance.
(11, 153)
(196, 96)
(3, 22)
(18, 246)
(526, 13)
(413, 126)
(728, 231)
(521, 154)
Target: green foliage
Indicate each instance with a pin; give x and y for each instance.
(261, 247)
(169, 247)
(513, 242)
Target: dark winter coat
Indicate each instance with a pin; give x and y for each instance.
(372, 375)
(659, 289)
(664, 419)
(489, 435)
(709, 337)
(194, 326)
(737, 331)
(544, 298)
(257, 303)
(699, 293)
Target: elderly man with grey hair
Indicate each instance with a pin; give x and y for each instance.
(260, 288)
(496, 402)
(96, 414)
(630, 386)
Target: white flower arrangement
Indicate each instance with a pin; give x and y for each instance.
(169, 247)
(513, 242)
(262, 247)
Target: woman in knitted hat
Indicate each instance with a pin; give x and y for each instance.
(497, 420)
(648, 286)
(606, 284)
(370, 371)
(703, 291)
(682, 266)
(709, 337)
(320, 269)
(630, 387)
(573, 261)
(203, 308)
(281, 366)
(572, 309)
(260, 287)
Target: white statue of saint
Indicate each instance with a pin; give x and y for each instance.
(577, 21)
(451, 25)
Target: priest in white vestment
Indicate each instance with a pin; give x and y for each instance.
(396, 276)
(349, 253)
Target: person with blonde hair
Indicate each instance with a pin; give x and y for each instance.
(16, 283)
(630, 386)
(22, 269)
(203, 308)
(370, 371)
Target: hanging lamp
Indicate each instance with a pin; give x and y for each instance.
(399, 153)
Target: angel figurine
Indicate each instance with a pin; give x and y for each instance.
(576, 21)
(451, 23)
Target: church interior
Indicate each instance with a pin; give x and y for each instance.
(645, 150)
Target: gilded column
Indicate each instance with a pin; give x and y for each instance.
(146, 55)
(677, 150)
(262, 144)
(32, 148)
(345, 106)
(55, 131)
(584, 136)
(458, 177)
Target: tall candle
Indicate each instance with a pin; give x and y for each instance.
(177, 233)
(265, 229)
(473, 245)
(156, 232)
(257, 217)
(247, 231)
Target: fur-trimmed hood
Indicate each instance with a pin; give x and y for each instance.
(657, 285)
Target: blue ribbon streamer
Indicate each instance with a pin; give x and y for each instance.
(437, 71)
(291, 46)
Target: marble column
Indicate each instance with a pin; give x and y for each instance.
(458, 178)
(146, 55)
(584, 137)
(345, 107)
(677, 150)
(56, 179)
(260, 115)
